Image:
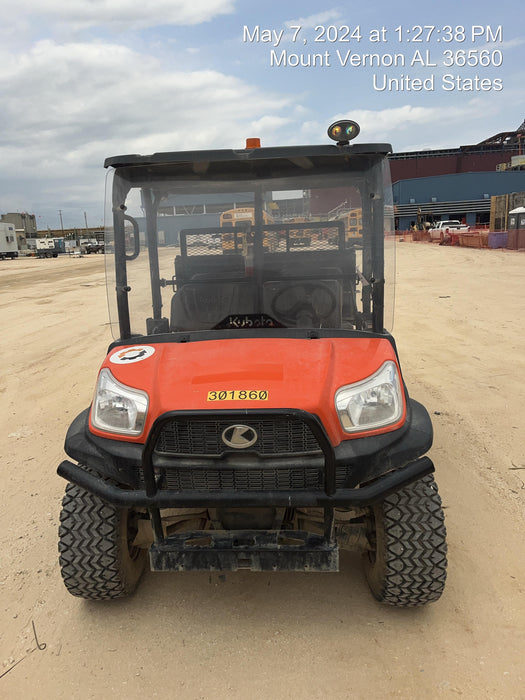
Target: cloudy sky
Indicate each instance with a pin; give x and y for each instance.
(85, 79)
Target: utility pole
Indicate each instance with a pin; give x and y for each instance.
(61, 222)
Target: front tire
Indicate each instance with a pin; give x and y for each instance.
(407, 566)
(97, 557)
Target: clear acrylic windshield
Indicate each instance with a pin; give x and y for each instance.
(310, 250)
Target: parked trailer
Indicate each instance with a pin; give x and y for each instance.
(8, 242)
(46, 247)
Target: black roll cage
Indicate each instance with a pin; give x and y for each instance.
(278, 163)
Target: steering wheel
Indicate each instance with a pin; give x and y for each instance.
(303, 303)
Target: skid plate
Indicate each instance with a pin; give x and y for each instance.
(231, 550)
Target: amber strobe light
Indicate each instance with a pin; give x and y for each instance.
(343, 131)
(253, 143)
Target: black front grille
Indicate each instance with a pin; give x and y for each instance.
(203, 437)
(190, 455)
(253, 479)
(245, 479)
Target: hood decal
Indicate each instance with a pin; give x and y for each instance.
(137, 353)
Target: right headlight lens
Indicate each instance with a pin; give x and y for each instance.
(374, 402)
(118, 408)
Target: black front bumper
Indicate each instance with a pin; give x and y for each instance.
(363, 496)
(375, 467)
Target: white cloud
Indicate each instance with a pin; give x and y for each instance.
(65, 107)
(313, 20)
(268, 128)
(124, 14)
(505, 45)
(411, 128)
(414, 128)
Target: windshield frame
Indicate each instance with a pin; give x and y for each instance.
(161, 172)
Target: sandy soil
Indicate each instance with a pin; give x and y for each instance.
(459, 329)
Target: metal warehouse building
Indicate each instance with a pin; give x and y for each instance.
(463, 196)
(457, 183)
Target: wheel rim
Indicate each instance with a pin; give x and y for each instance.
(131, 530)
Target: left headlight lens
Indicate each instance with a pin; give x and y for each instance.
(374, 402)
(118, 408)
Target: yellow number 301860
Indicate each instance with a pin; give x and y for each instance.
(242, 395)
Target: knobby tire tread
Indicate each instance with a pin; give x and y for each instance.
(92, 559)
(411, 558)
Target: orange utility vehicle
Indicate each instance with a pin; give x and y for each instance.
(251, 412)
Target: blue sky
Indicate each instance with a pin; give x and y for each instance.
(87, 79)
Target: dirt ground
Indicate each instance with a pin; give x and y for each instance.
(459, 330)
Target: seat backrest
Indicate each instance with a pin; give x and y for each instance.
(201, 305)
(214, 266)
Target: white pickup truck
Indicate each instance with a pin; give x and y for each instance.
(442, 229)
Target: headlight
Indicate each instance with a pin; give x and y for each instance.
(372, 403)
(118, 408)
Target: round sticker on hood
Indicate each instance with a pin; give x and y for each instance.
(137, 353)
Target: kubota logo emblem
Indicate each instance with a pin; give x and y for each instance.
(239, 436)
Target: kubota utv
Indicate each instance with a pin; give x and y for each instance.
(251, 412)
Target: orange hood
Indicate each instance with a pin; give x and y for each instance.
(249, 373)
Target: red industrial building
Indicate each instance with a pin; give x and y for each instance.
(486, 156)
